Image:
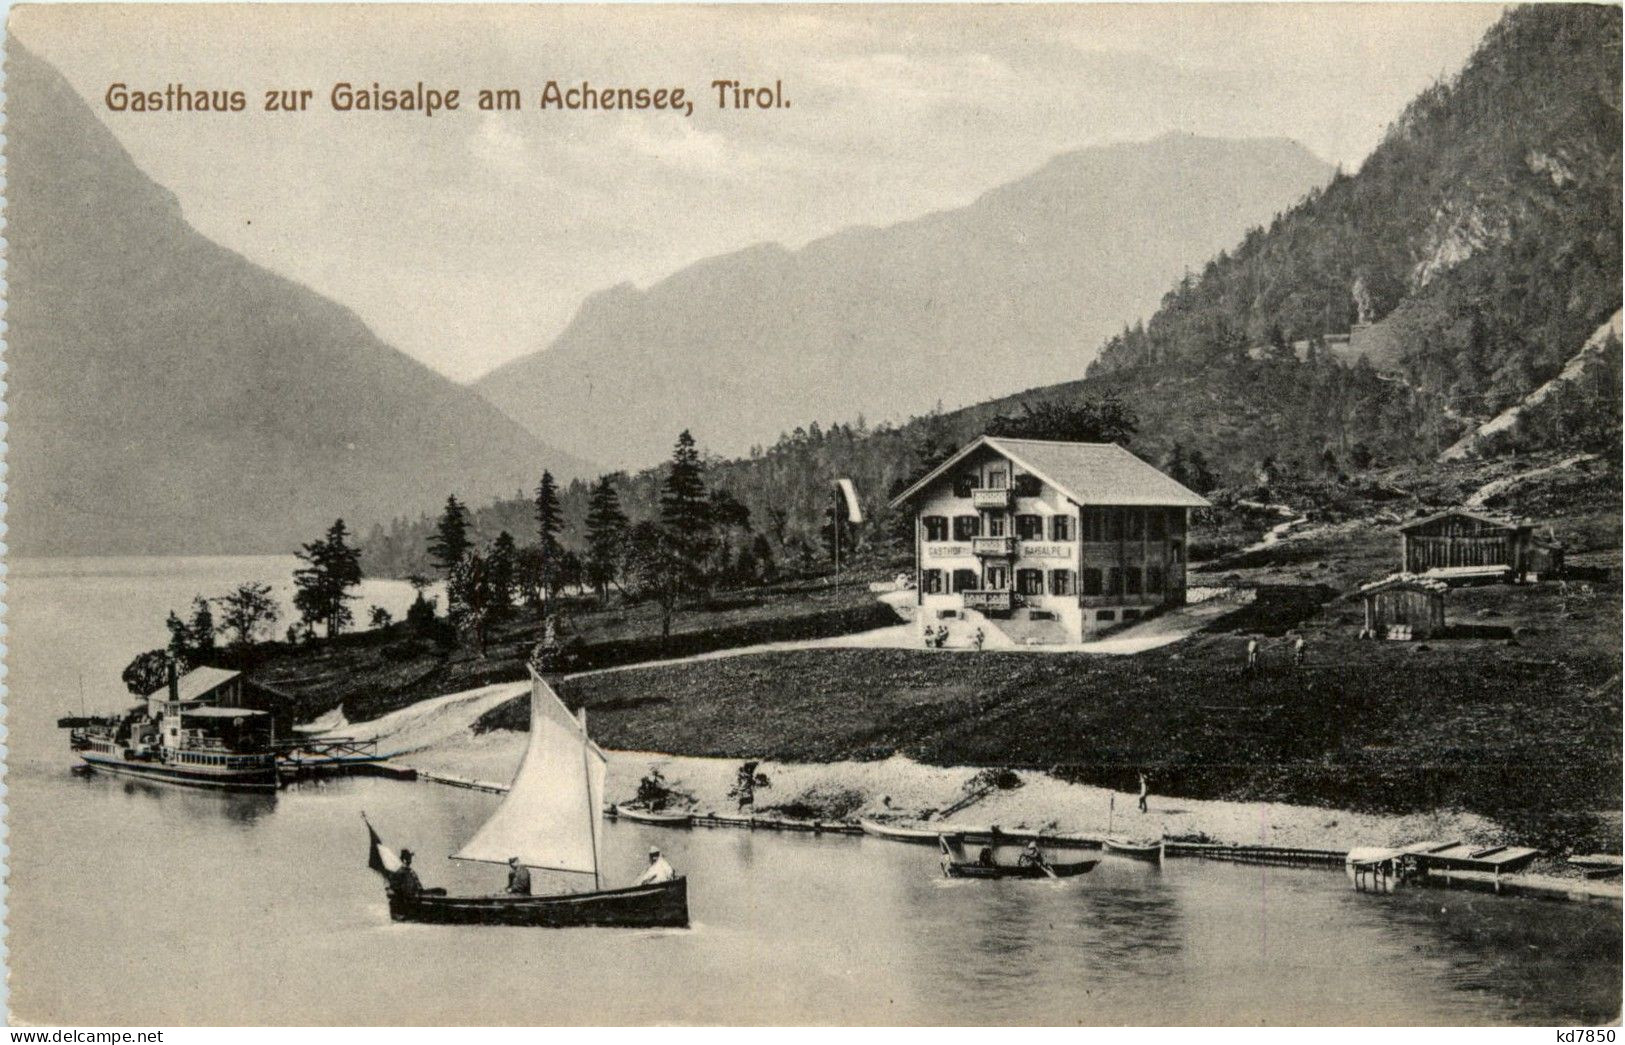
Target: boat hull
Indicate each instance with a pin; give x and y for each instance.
(658, 906)
(911, 835)
(1149, 853)
(1067, 870)
(260, 779)
(638, 816)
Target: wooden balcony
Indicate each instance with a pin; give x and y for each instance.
(997, 600)
(991, 498)
(994, 547)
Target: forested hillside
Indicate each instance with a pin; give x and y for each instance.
(1478, 247)
(1481, 239)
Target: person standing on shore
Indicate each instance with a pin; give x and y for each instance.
(1252, 654)
(1298, 652)
(1144, 790)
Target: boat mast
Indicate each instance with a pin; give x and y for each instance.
(592, 814)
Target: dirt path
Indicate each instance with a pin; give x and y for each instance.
(1495, 486)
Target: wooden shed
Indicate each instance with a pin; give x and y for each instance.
(1404, 606)
(1475, 545)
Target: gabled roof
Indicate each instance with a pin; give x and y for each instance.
(197, 683)
(1088, 473)
(1501, 522)
(1415, 582)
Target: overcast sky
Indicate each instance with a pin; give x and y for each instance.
(468, 239)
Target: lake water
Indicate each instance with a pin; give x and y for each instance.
(139, 904)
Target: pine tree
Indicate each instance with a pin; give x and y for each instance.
(549, 521)
(503, 563)
(450, 542)
(685, 510)
(606, 536)
(322, 586)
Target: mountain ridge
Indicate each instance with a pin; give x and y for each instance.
(1006, 291)
(168, 395)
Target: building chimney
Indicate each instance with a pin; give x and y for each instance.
(174, 682)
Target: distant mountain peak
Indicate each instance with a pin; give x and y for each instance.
(170, 396)
(1012, 290)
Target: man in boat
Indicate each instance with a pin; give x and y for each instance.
(403, 881)
(518, 877)
(659, 870)
(1031, 856)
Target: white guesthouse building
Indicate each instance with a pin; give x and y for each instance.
(1049, 541)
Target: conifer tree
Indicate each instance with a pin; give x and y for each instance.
(606, 536)
(450, 542)
(549, 521)
(322, 586)
(503, 565)
(685, 510)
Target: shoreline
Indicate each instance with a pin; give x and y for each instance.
(900, 789)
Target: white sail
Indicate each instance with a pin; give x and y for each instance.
(549, 818)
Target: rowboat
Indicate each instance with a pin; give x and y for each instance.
(894, 833)
(1004, 862)
(548, 821)
(658, 819)
(1150, 852)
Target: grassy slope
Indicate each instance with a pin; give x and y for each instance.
(1525, 733)
(373, 672)
(1516, 718)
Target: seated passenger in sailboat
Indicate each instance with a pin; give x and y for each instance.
(518, 877)
(403, 881)
(659, 870)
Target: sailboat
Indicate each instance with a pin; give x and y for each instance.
(549, 820)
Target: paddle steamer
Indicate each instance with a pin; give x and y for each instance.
(187, 732)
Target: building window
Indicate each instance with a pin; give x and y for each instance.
(1060, 582)
(1030, 582)
(1060, 527)
(965, 580)
(963, 485)
(1114, 580)
(1131, 614)
(1030, 527)
(936, 527)
(1132, 576)
(1106, 616)
(1091, 581)
(1028, 486)
(1156, 524)
(993, 524)
(931, 582)
(998, 480)
(1094, 524)
(998, 578)
(1133, 524)
(1153, 579)
(1114, 524)
(967, 526)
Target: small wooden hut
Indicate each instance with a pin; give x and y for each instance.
(1468, 545)
(1404, 606)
